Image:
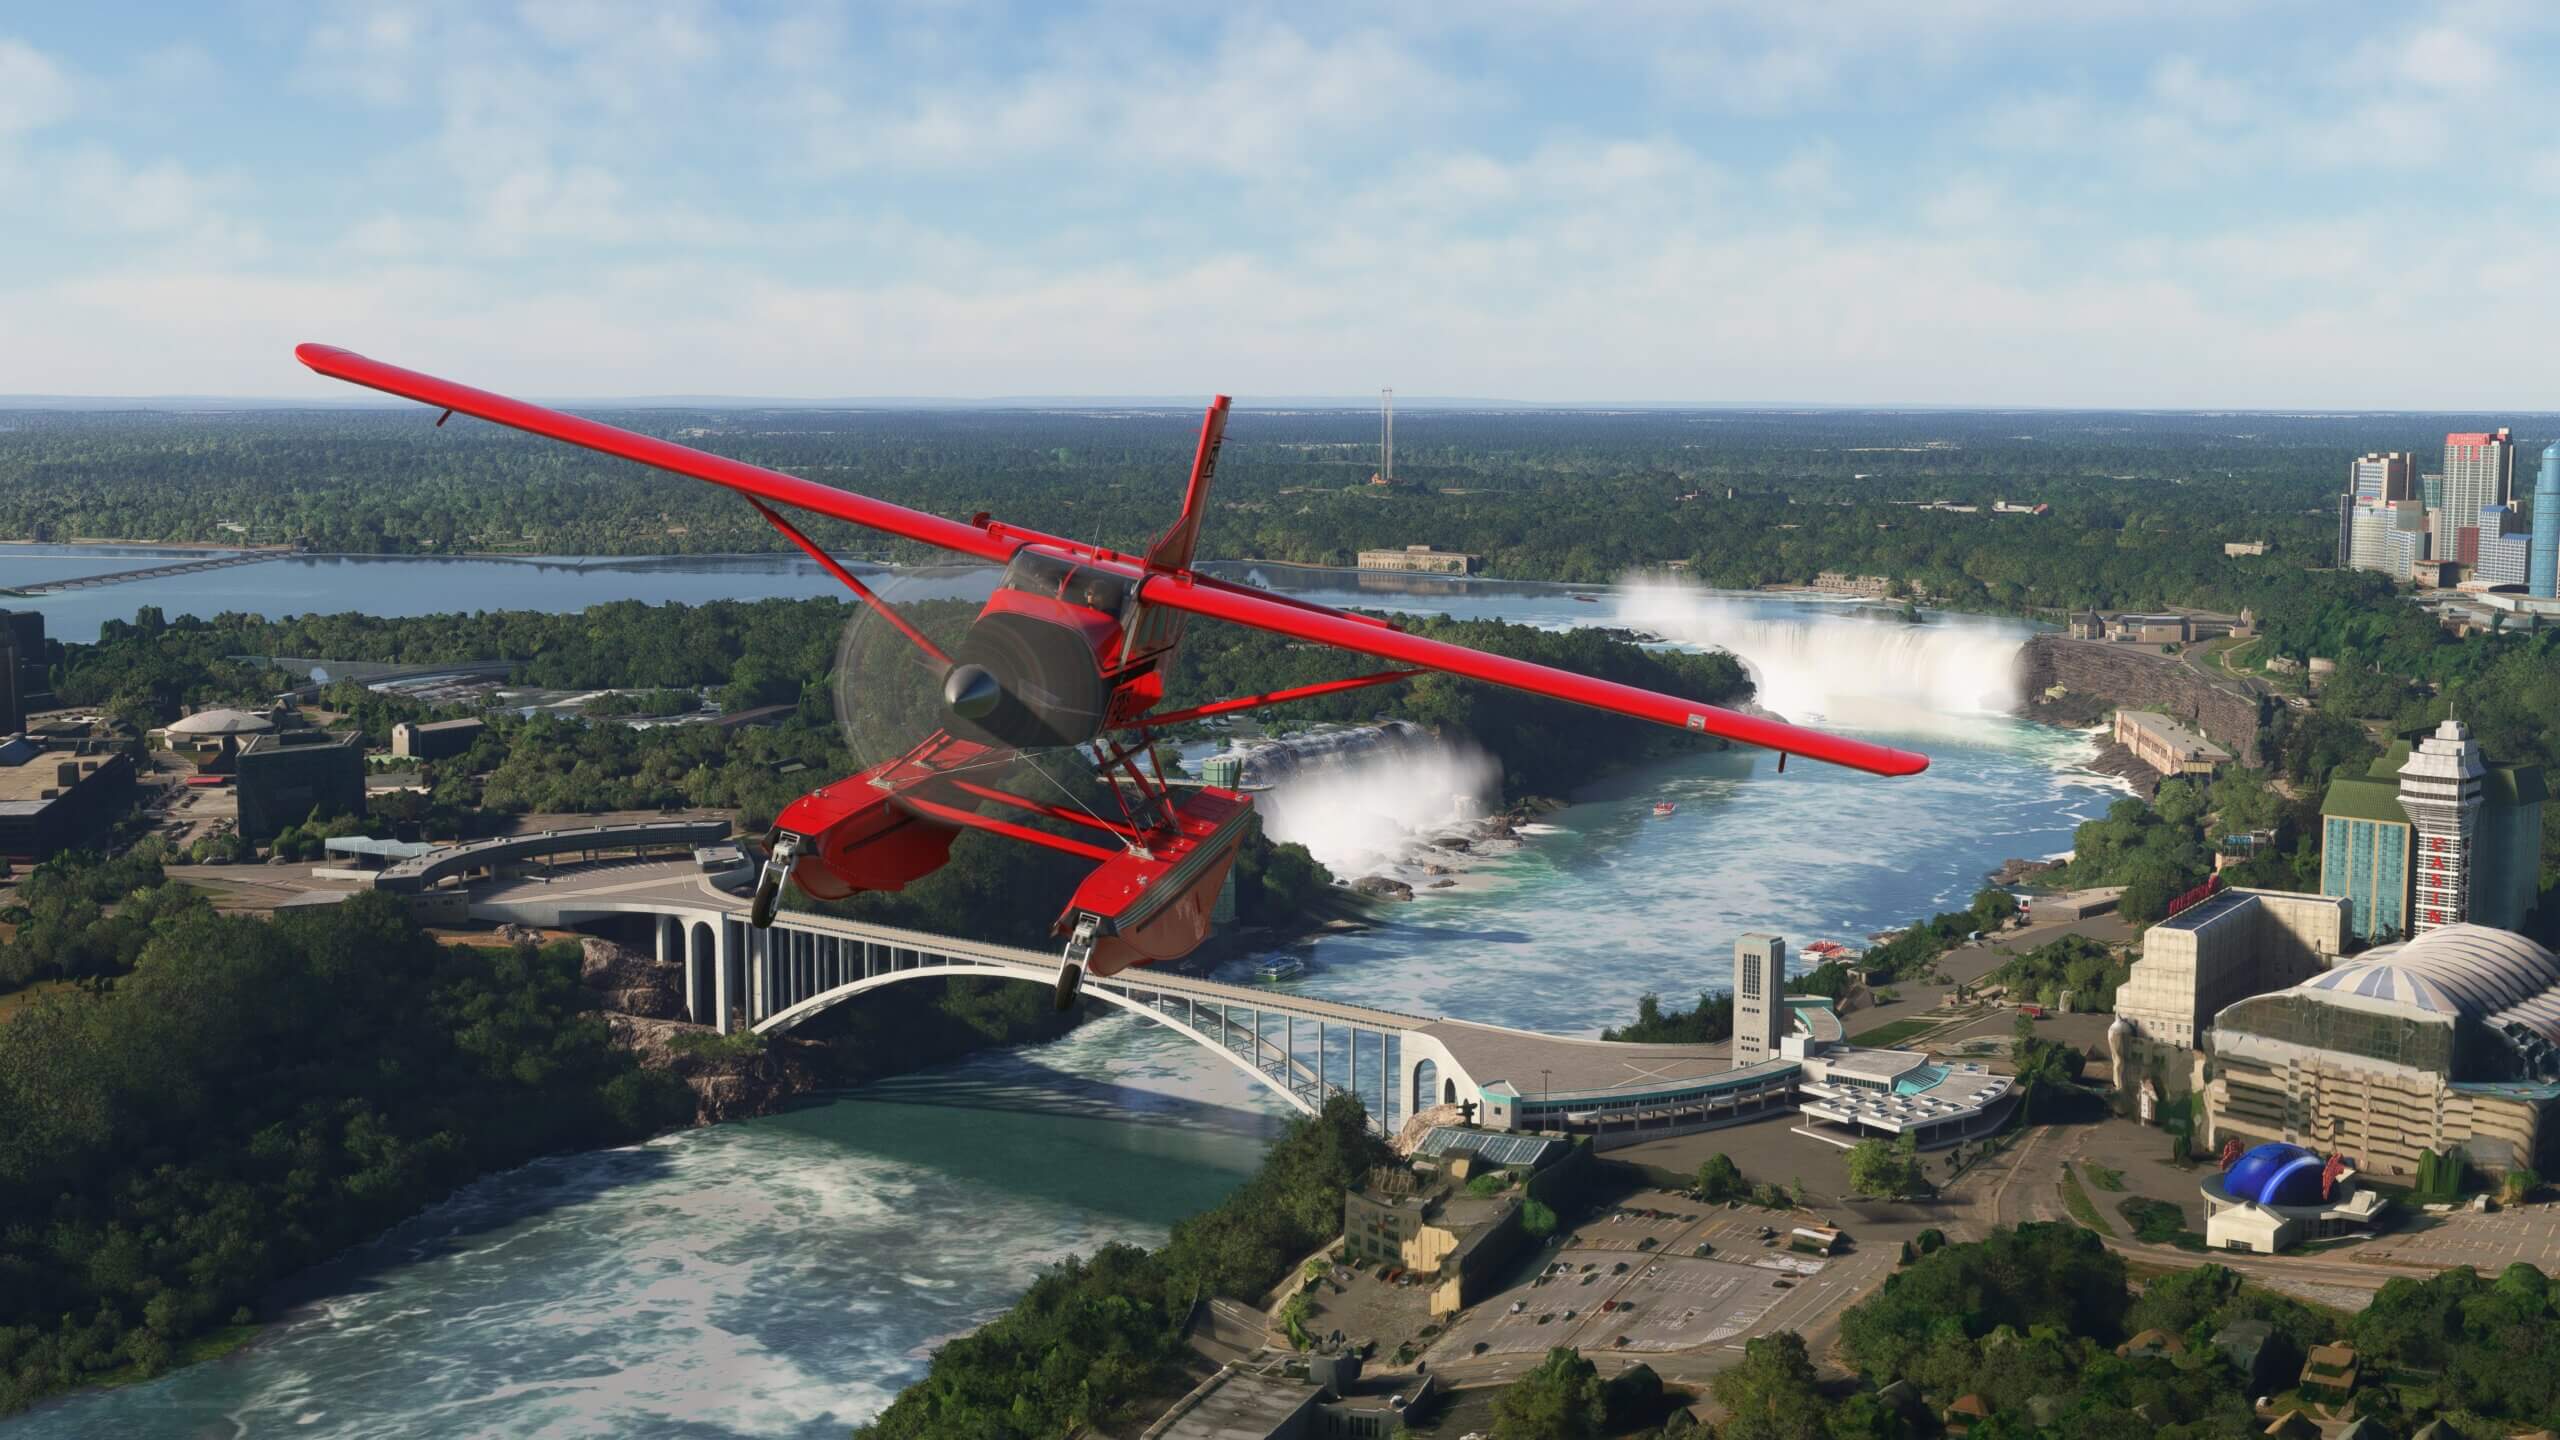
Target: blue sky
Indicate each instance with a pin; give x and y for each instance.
(1859, 201)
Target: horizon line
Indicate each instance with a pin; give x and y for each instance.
(167, 402)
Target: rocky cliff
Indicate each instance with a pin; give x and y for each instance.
(731, 1077)
(2225, 710)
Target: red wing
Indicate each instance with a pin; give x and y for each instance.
(754, 480)
(1308, 622)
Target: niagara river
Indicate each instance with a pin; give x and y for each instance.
(785, 1276)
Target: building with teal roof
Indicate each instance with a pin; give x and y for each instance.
(2368, 838)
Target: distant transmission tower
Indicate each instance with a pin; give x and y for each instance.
(1387, 436)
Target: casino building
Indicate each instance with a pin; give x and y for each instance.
(2448, 1041)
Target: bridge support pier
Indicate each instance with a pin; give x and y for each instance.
(723, 993)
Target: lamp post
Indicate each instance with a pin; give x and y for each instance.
(1544, 1090)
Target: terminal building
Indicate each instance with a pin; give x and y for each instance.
(1623, 1094)
(2448, 1041)
(2432, 834)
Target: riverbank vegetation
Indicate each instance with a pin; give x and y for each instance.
(254, 1097)
(1096, 1338)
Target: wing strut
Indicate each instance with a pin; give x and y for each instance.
(1280, 697)
(861, 592)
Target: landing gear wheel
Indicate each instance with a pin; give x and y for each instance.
(1071, 965)
(777, 868)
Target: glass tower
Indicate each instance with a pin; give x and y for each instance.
(2543, 576)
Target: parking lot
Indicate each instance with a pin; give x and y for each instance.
(2489, 1243)
(1608, 1289)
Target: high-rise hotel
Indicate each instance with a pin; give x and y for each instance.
(2479, 472)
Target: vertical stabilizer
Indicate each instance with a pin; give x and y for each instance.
(1172, 550)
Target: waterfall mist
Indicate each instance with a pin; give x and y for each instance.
(1369, 813)
(1852, 665)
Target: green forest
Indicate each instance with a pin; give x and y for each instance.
(1096, 1336)
(253, 1098)
(2141, 503)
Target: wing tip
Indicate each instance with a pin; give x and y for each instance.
(320, 357)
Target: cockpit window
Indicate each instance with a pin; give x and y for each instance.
(1098, 590)
(1036, 573)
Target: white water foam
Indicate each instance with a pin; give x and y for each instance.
(1860, 670)
(1371, 812)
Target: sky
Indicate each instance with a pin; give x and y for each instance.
(2225, 203)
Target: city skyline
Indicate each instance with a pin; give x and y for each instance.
(1850, 207)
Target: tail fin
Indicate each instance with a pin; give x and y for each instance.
(1172, 550)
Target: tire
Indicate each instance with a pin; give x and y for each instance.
(1070, 984)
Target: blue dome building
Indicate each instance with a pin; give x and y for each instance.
(2276, 1174)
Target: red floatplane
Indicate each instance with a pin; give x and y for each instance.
(1068, 653)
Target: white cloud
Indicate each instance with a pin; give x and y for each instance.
(34, 90)
(581, 196)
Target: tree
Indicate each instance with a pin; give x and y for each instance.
(1880, 1167)
(1720, 1179)
(2519, 1186)
(1772, 1394)
(1536, 1220)
(1560, 1400)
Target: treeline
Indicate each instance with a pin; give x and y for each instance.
(80, 916)
(1555, 493)
(256, 1096)
(1095, 1339)
(2027, 1322)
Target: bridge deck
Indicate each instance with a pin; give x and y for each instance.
(667, 886)
(148, 572)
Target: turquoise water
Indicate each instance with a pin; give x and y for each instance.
(402, 585)
(783, 1277)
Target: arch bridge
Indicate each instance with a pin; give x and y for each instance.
(1301, 1047)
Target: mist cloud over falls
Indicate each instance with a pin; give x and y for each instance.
(1369, 813)
(1852, 665)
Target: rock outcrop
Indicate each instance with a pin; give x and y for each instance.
(2024, 872)
(632, 982)
(732, 1077)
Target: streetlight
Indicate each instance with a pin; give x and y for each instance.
(1544, 1090)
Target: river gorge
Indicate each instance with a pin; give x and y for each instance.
(785, 1276)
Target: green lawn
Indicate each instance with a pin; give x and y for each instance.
(2076, 1200)
(1899, 1030)
(19, 999)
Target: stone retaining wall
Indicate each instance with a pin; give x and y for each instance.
(2226, 711)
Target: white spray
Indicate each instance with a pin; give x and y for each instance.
(1371, 812)
(1852, 666)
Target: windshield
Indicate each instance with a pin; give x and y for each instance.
(1036, 572)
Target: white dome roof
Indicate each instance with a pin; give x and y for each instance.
(2486, 974)
(220, 722)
